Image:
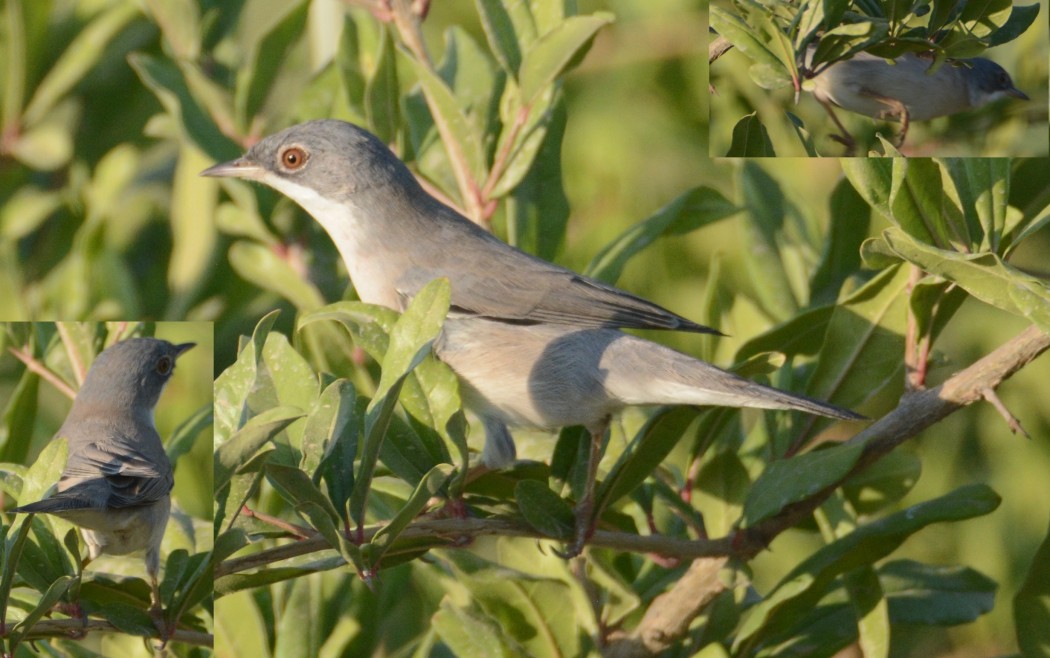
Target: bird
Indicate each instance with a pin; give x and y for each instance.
(907, 89)
(532, 343)
(116, 485)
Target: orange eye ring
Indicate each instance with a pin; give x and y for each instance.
(293, 158)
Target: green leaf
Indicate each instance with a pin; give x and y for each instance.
(1032, 605)
(182, 439)
(985, 276)
(884, 482)
(331, 422)
(840, 258)
(690, 211)
(77, 60)
(468, 633)
(750, 138)
(427, 488)
(550, 55)
(249, 439)
(382, 92)
(260, 265)
(255, 79)
(935, 595)
(660, 434)
(19, 418)
(865, 335)
(1021, 18)
(179, 22)
(752, 42)
(457, 132)
(168, 83)
(45, 471)
(410, 342)
(233, 385)
(503, 34)
(544, 510)
(808, 582)
(983, 185)
(43, 606)
(788, 481)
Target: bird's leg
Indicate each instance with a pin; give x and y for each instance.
(896, 110)
(845, 138)
(585, 520)
(156, 610)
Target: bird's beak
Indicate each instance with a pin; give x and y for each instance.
(183, 348)
(239, 168)
(1014, 92)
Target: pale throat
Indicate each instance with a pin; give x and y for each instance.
(346, 223)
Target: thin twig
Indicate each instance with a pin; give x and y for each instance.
(79, 370)
(1011, 420)
(64, 628)
(42, 370)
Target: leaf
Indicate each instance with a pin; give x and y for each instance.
(427, 488)
(750, 138)
(840, 258)
(1021, 18)
(331, 422)
(983, 185)
(249, 438)
(936, 595)
(788, 481)
(864, 335)
(382, 92)
(410, 341)
(985, 276)
(754, 44)
(42, 607)
(548, 57)
(884, 482)
(77, 60)
(234, 384)
(544, 510)
(255, 78)
(45, 471)
(503, 34)
(467, 633)
(461, 140)
(688, 212)
(660, 434)
(19, 418)
(800, 590)
(181, 440)
(260, 265)
(1032, 604)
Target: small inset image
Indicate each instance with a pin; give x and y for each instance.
(106, 477)
(856, 78)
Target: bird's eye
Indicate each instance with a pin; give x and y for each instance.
(164, 365)
(293, 157)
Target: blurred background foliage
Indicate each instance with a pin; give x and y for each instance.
(111, 108)
(115, 587)
(756, 83)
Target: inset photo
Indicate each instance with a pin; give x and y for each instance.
(878, 79)
(106, 477)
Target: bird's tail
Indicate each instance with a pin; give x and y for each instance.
(53, 505)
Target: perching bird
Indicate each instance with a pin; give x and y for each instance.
(117, 481)
(906, 90)
(533, 343)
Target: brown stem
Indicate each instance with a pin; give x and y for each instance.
(63, 628)
(42, 370)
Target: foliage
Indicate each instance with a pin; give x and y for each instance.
(345, 437)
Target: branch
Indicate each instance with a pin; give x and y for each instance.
(460, 532)
(68, 628)
(668, 617)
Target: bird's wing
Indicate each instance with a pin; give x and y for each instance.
(122, 474)
(518, 287)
